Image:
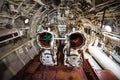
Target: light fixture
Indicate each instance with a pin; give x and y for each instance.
(108, 28)
(26, 21)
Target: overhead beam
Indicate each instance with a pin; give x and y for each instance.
(40, 2)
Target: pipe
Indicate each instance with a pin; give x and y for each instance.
(60, 38)
(104, 61)
(103, 18)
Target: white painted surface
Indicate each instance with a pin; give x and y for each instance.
(93, 63)
(104, 61)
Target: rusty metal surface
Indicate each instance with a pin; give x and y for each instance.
(105, 75)
(59, 72)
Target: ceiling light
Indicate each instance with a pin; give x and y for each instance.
(108, 28)
(26, 21)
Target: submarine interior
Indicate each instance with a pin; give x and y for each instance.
(59, 39)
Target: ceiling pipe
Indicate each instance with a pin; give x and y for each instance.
(40, 2)
(103, 18)
(105, 3)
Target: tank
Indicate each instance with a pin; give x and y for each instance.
(73, 54)
(47, 44)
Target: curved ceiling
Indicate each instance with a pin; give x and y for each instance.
(14, 12)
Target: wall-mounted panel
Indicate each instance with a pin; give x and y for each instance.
(23, 55)
(13, 63)
(30, 50)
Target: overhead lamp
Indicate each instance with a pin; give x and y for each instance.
(26, 21)
(108, 28)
